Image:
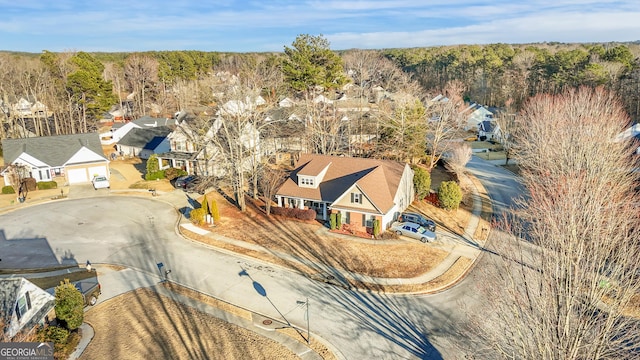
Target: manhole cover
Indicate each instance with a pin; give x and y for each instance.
(267, 322)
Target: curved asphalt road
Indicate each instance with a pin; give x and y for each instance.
(140, 233)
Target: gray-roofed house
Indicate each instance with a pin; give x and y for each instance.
(489, 130)
(144, 142)
(75, 158)
(358, 189)
(23, 305)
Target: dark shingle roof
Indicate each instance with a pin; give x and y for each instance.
(52, 150)
(148, 138)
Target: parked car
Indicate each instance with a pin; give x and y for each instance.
(90, 289)
(413, 230)
(195, 185)
(182, 181)
(100, 182)
(418, 219)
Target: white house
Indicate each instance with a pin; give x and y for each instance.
(23, 305)
(77, 158)
(476, 114)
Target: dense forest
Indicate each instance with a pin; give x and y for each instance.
(78, 88)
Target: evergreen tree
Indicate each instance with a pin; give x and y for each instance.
(69, 304)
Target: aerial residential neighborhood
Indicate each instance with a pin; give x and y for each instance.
(384, 198)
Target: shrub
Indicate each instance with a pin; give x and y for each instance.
(172, 173)
(30, 183)
(338, 221)
(449, 195)
(376, 227)
(308, 214)
(205, 205)
(153, 164)
(301, 214)
(69, 305)
(421, 181)
(332, 221)
(55, 334)
(44, 185)
(215, 213)
(154, 175)
(8, 190)
(197, 216)
(386, 235)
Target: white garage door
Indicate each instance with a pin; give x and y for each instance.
(77, 176)
(98, 171)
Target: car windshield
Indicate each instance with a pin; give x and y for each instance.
(101, 178)
(422, 230)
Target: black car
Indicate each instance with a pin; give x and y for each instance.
(418, 219)
(195, 185)
(182, 181)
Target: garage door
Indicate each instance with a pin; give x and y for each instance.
(98, 171)
(77, 176)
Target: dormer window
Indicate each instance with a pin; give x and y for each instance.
(356, 198)
(306, 182)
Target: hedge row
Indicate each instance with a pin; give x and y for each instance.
(301, 214)
(44, 185)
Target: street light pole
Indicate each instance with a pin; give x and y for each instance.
(306, 313)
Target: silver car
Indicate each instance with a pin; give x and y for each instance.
(413, 230)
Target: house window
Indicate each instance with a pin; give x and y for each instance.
(356, 198)
(181, 146)
(306, 181)
(23, 305)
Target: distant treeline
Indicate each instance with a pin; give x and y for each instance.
(501, 74)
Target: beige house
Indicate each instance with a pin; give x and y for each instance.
(358, 189)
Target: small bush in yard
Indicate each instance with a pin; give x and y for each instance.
(338, 221)
(44, 185)
(376, 227)
(154, 175)
(421, 181)
(172, 173)
(8, 190)
(215, 213)
(387, 235)
(449, 195)
(30, 183)
(308, 214)
(197, 216)
(332, 221)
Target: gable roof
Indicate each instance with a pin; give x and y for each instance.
(487, 126)
(40, 302)
(147, 138)
(377, 179)
(148, 121)
(52, 150)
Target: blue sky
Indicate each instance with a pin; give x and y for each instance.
(269, 25)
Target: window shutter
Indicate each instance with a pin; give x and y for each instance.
(364, 220)
(18, 311)
(352, 198)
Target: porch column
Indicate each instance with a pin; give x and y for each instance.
(300, 204)
(279, 198)
(324, 211)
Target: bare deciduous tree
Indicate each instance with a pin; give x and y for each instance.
(458, 157)
(444, 122)
(570, 291)
(270, 181)
(141, 74)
